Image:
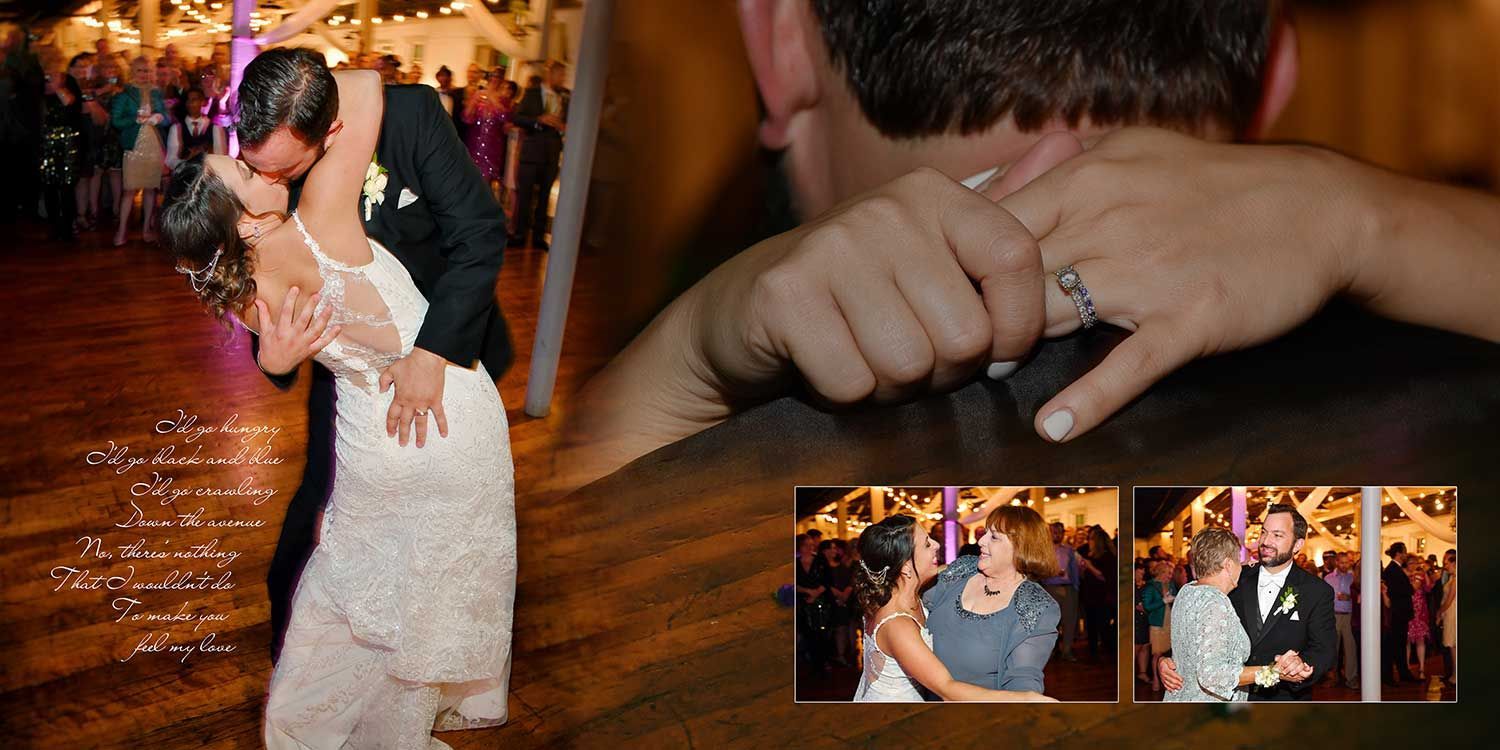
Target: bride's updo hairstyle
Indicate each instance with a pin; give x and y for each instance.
(885, 549)
(199, 225)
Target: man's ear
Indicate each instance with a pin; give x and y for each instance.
(1297, 547)
(1279, 79)
(333, 131)
(780, 36)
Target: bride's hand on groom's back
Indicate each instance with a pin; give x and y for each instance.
(294, 335)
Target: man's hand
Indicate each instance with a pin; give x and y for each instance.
(904, 290)
(1292, 668)
(418, 378)
(294, 335)
(1167, 670)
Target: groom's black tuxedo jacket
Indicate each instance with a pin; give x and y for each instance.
(1308, 629)
(451, 237)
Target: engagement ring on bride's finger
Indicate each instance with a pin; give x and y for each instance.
(420, 412)
(1072, 283)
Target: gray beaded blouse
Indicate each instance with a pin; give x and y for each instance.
(1003, 650)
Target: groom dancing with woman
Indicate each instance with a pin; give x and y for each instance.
(1286, 614)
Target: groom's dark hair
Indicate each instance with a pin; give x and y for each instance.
(1299, 524)
(289, 87)
(931, 67)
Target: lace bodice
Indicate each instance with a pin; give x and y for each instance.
(378, 306)
(883, 678)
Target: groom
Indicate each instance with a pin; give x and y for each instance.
(435, 213)
(1283, 608)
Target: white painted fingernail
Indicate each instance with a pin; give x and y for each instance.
(1001, 370)
(1058, 424)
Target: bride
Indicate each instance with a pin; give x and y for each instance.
(401, 623)
(898, 558)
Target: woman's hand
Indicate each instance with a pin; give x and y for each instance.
(1197, 248)
(1202, 248)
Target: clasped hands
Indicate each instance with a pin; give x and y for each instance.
(913, 287)
(299, 333)
(1289, 665)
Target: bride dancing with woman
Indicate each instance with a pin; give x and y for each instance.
(897, 559)
(401, 623)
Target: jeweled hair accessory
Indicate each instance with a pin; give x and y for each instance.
(878, 578)
(199, 279)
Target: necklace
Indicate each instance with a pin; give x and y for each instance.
(989, 591)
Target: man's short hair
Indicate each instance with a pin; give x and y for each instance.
(931, 67)
(1299, 524)
(289, 87)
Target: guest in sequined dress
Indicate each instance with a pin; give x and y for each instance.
(1417, 630)
(488, 116)
(62, 132)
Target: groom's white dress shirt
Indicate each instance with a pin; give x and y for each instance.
(1267, 586)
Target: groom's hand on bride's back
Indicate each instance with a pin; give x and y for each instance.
(418, 401)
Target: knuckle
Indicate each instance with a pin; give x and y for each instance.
(965, 340)
(913, 368)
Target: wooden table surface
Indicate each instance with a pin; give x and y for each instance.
(656, 626)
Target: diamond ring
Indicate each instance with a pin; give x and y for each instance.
(1072, 283)
(420, 412)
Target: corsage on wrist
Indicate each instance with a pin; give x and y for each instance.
(1268, 675)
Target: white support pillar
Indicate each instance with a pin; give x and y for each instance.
(877, 504)
(365, 10)
(1369, 589)
(567, 226)
(843, 516)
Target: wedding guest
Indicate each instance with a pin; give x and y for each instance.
(1063, 586)
(107, 85)
(969, 550)
(1396, 591)
(452, 98)
(1157, 597)
(1448, 613)
(1145, 666)
(840, 582)
(488, 115)
(94, 133)
(814, 612)
(62, 134)
(136, 112)
(195, 133)
(1445, 581)
(1097, 590)
(1341, 578)
(1418, 629)
(389, 67)
(1209, 643)
(992, 624)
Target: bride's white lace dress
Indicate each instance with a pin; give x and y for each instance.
(883, 679)
(401, 622)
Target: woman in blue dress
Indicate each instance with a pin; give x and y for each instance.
(992, 624)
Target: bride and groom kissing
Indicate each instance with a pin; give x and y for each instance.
(982, 630)
(400, 624)
(1250, 632)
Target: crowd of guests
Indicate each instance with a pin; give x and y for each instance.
(1418, 611)
(829, 621)
(87, 136)
(490, 112)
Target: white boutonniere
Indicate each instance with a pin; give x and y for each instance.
(1288, 601)
(375, 180)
